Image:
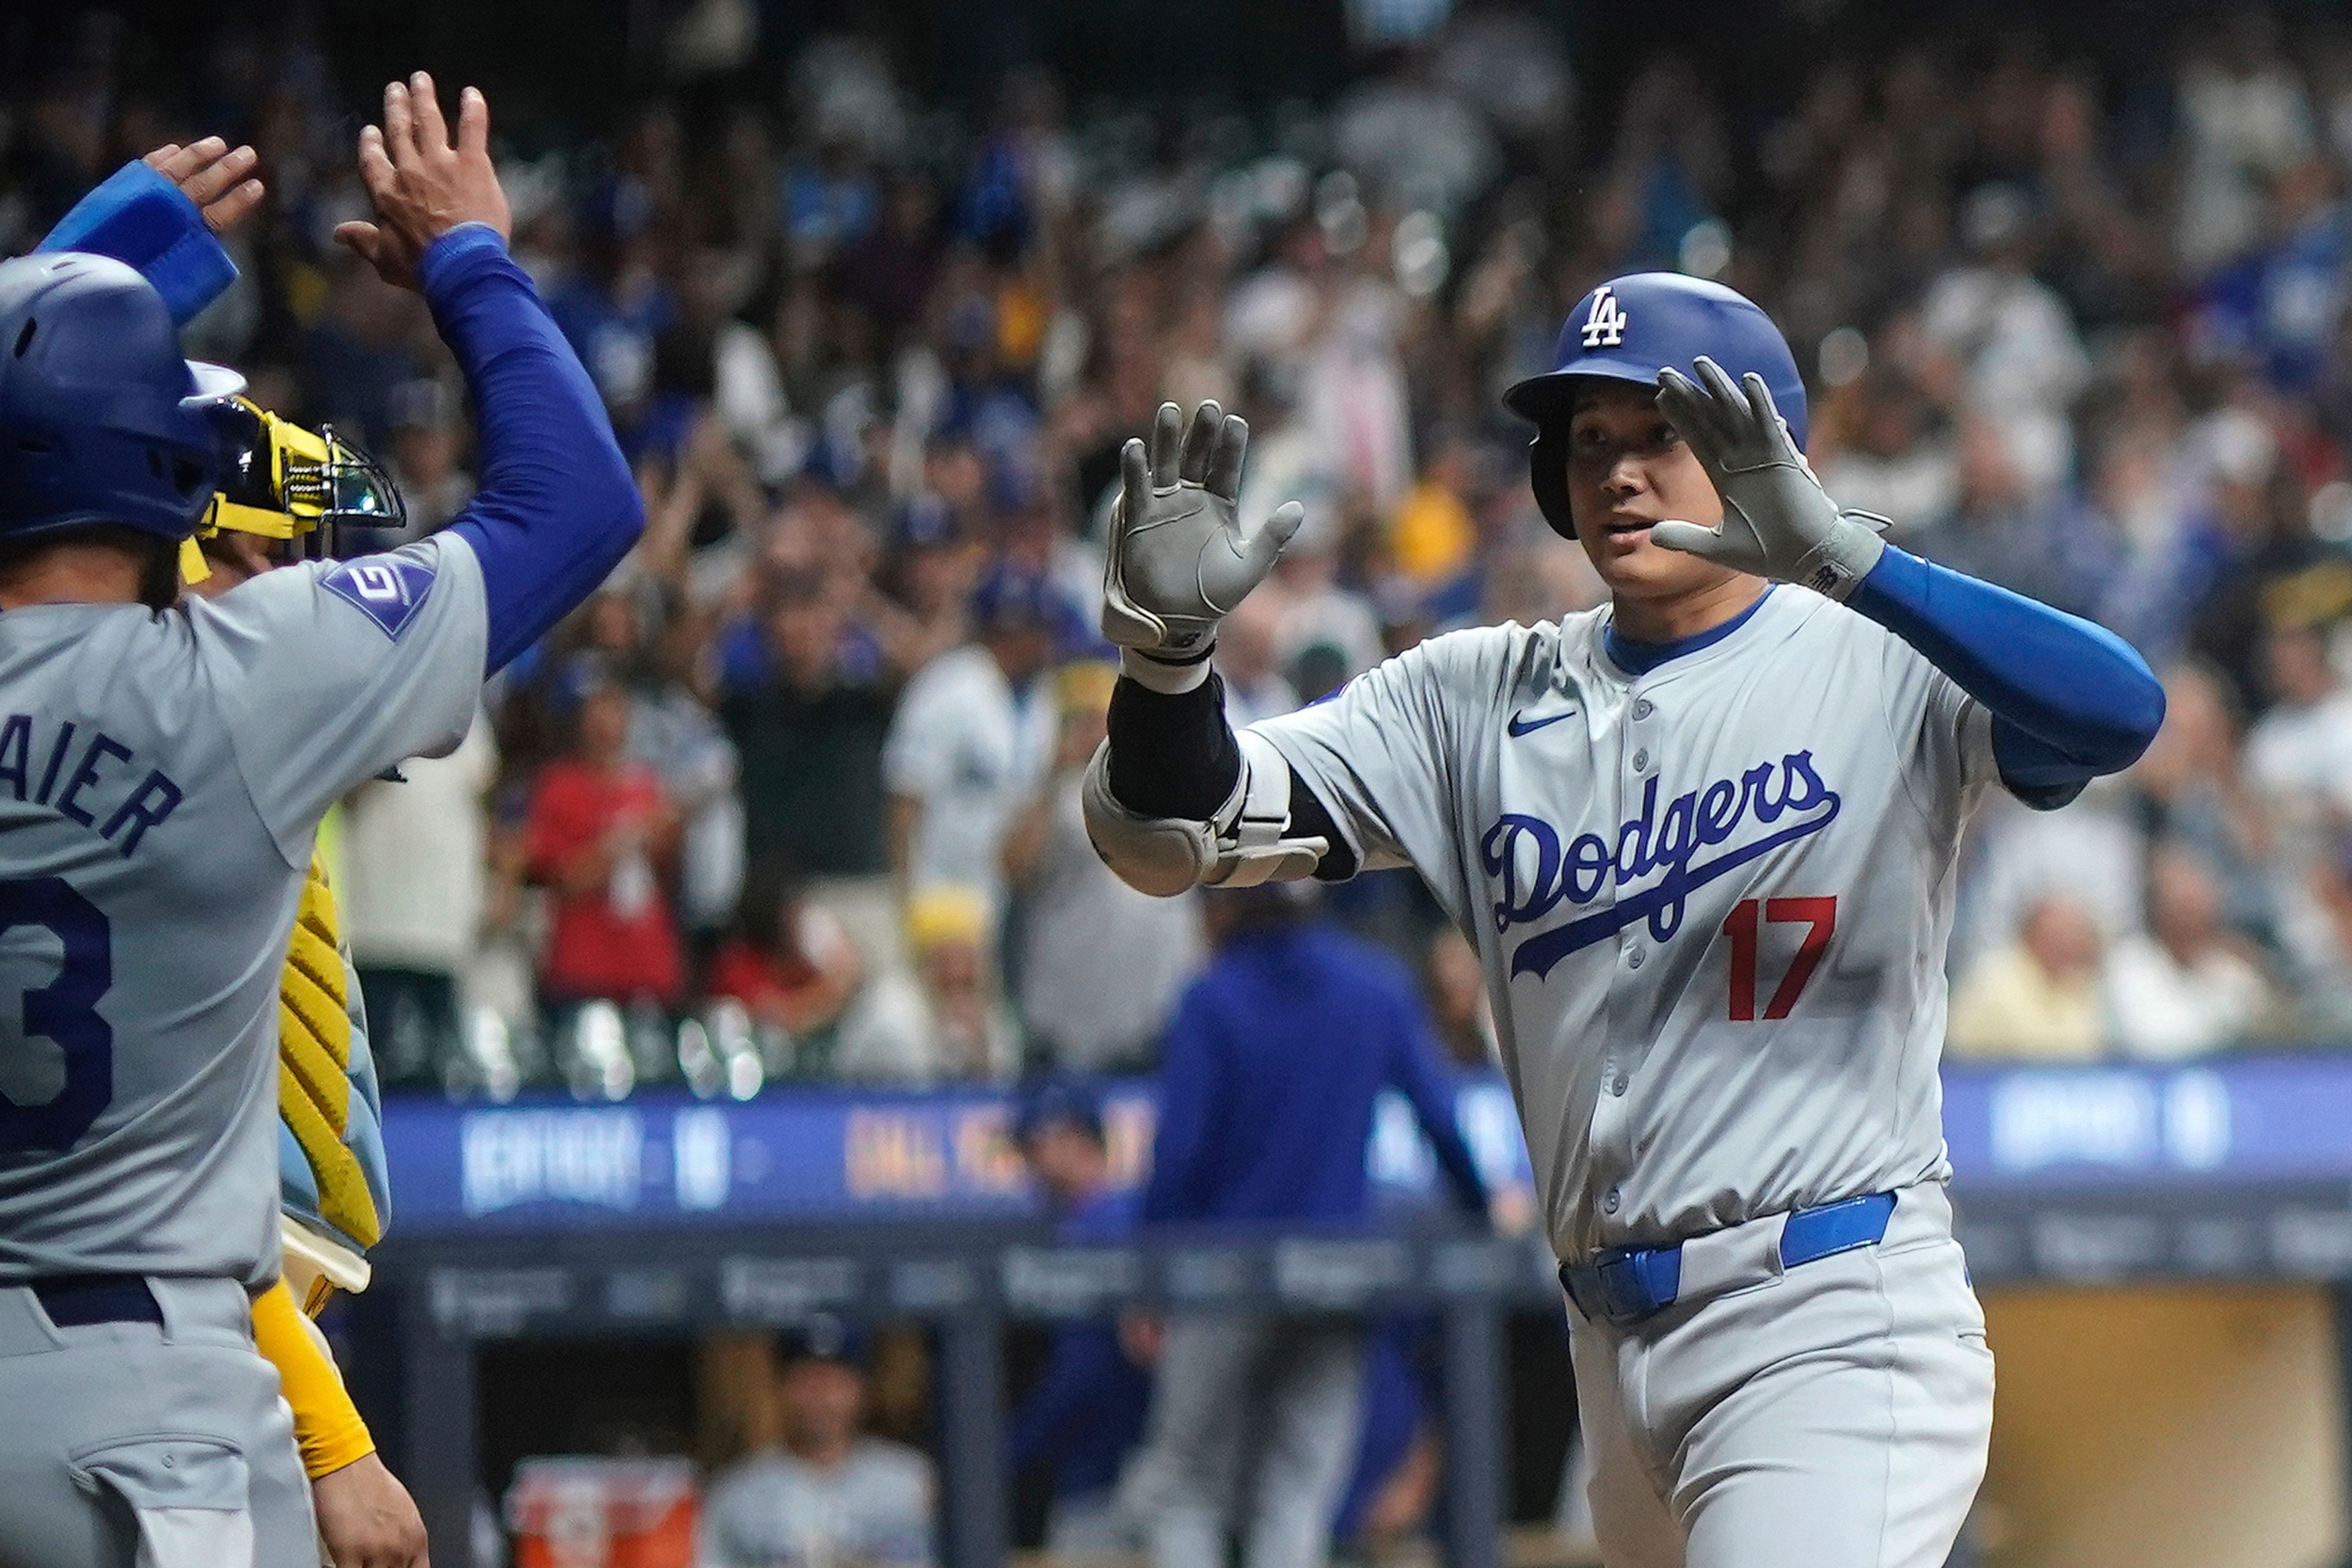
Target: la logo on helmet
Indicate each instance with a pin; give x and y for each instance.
(1604, 326)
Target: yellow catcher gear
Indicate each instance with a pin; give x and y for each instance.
(327, 1425)
(282, 481)
(332, 1177)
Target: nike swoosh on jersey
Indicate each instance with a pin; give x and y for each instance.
(1520, 726)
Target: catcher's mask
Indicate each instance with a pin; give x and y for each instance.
(318, 495)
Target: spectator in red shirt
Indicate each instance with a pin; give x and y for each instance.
(601, 829)
(791, 962)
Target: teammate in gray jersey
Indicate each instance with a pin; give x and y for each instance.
(1703, 840)
(163, 767)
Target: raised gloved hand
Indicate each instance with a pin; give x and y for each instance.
(1178, 560)
(1777, 521)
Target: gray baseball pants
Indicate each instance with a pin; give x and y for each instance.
(134, 1445)
(1832, 1415)
(1254, 1424)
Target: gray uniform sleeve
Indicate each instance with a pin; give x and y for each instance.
(328, 673)
(1943, 736)
(1386, 754)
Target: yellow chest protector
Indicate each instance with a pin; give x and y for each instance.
(331, 1173)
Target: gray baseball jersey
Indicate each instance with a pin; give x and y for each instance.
(161, 779)
(1711, 901)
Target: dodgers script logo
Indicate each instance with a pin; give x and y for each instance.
(1668, 841)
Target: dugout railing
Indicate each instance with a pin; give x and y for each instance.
(2085, 1178)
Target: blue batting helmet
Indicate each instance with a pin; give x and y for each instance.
(101, 421)
(1629, 329)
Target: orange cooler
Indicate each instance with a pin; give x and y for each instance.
(574, 1511)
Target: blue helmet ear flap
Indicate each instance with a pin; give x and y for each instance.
(1547, 477)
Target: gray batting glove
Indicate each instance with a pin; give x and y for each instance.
(1777, 521)
(1178, 560)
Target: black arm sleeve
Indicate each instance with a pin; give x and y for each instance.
(1176, 756)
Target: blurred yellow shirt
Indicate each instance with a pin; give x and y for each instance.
(2009, 1007)
(1431, 536)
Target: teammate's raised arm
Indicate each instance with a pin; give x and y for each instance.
(558, 507)
(162, 214)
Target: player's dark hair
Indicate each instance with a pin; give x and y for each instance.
(159, 569)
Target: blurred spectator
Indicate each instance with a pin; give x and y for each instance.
(1896, 461)
(414, 859)
(1999, 531)
(2037, 998)
(1267, 1082)
(2185, 987)
(675, 735)
(792, 965)
(1085, 1416)
(927, 575)
(2244, 120)
(428, 443)
(2013, 337)
(1079, 923)
(973, 736)
(808, 724)
(601, 831)
(2189, 789)
(1249, 659)
(1330, 633)
(1431, 537)
(945, 1022)
(826, 1495)
(2279, 304)
(2267, 554)
(2074, 319)
(2299, 754)
(1456, 985)
(2158, 547)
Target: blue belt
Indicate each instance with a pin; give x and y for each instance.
(1626, 1284)
(77, 1300)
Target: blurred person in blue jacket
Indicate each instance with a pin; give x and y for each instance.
(1086, 1414)
(1267, 1082)
(1392, 1488)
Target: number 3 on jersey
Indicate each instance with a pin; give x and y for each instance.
(64, 1013)
(1741, 927)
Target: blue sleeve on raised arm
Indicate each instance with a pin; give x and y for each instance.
(2070, 701)
(558, 507)
(140, 219)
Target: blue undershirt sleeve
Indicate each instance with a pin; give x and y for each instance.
(2070, 701)
(558, 507)
(138, 217)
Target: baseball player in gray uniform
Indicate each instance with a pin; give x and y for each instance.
(164, 766)
(1703, 840)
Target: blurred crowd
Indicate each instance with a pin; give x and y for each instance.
(795, 796)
